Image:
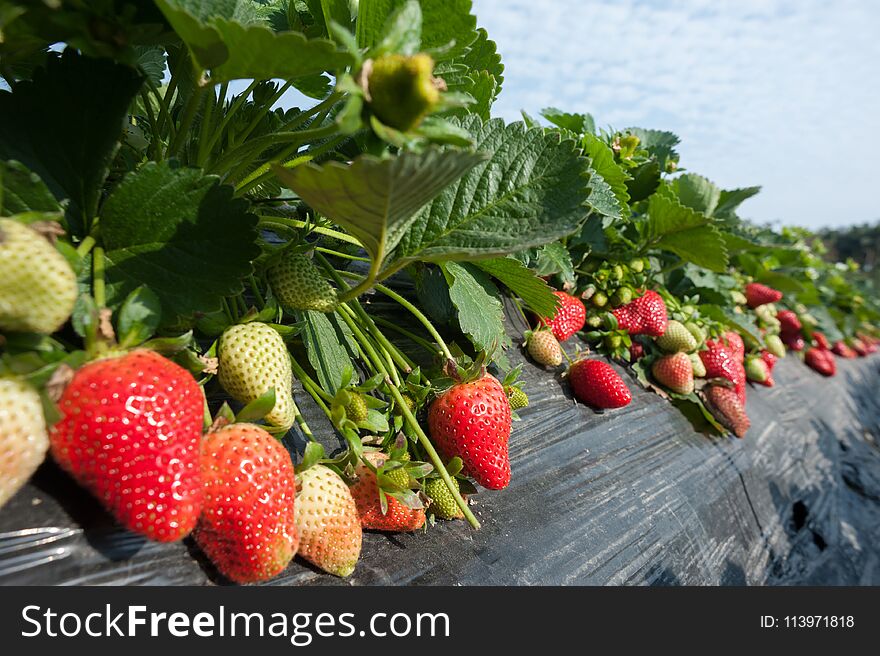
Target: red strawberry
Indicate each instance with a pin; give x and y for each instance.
(789, 322)
(721, 363)
(860, 347)
(597, 384)
(821, 360)
(130, 435)
(726, 406)
(675, 372)
(769, 359)
(793, 341)
(569, 318)
(636, 351)
(840, 348)
(758, 294)
(246, 527)
(821, 341)
(365, 491)
(472, 421)
(735, 344)
(645, 315)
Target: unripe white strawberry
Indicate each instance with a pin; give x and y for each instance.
(544, 348)
(327, 520)
(37, 285)
(252, 359)
(23, 437)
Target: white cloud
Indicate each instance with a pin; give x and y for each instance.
(781, 93)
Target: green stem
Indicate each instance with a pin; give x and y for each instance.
(156, 140)
(164, 107)
(296, 223)
(365, 284)
(315, 391)
(432, 453)
(85, 246)
(345, 256)
(98, 285)
(304, 378)
(276, 226)
(406, 364)
(303, 426)
(244, 154)
(233, 108)
(424, 343)
(264, 171)
(240, 138)
(189, 114)
(231, 312)
(362, 339)
(418, 315)
(256, 291)
(207, 123)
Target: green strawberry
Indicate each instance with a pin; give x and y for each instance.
(516, 397)
(402, 89)
(357, 409)
(697, 362)
(695, 330)
(677, 338)
(442, 502)
(37, 285)
(252, 359)
(399, 476)
(298, 285)
(23, 437)
(774, 345)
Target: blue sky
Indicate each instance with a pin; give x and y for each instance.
(776, 93)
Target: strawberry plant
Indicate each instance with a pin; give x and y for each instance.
(180, 250)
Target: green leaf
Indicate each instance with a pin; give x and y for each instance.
(602, 197)
(138, 317)
(554, 258)
(151, 60)
(660, 144)
(478, 73)
(741, 323)
(523, 282)
(577, 123)
(697, 192)
(602, 161)
(780, 281)
(325, 346)
(375, 422)
(23, 191)
(402, 33)
(258, 408)
(529, 192)
(690, 235)
(433, 294)
(233, 44)
(730, 200)
(376, 200)
(644, 181)
(180, 233)
(480, 313)
(313, 453)
(444, 22)
(65, 124)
